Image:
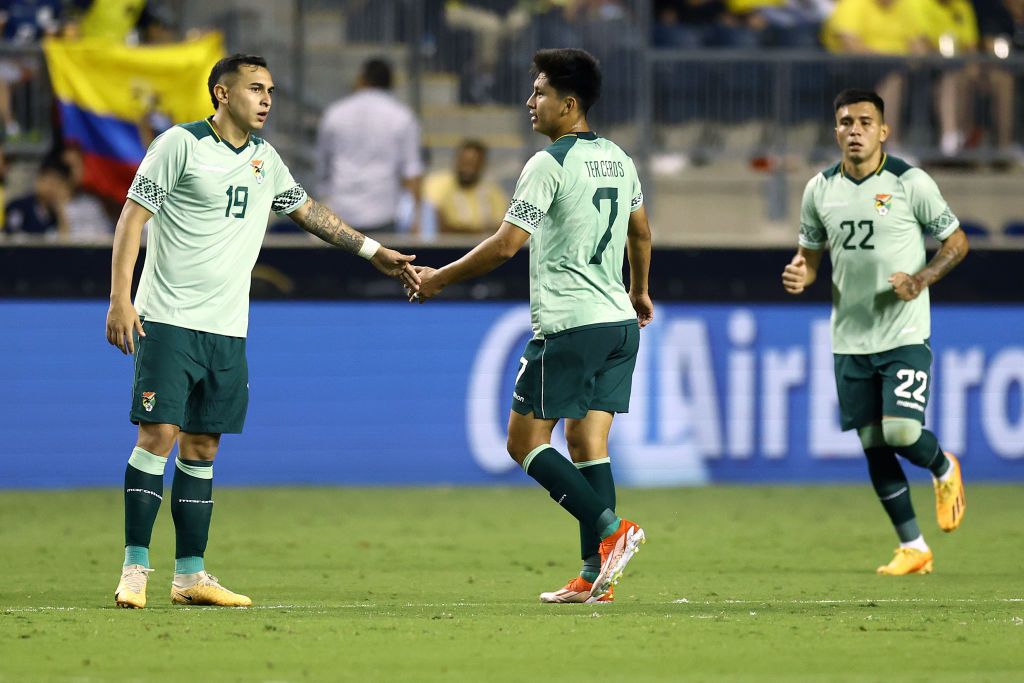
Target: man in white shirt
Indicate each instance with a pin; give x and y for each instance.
(368, 153)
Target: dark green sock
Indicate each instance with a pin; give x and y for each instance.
(893, 491)
(192, 507)
(925, 452)
(568, 487)
(598, 474)
(143, 491)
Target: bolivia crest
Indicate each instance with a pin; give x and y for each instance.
(148, 400)
(257, 170)
(883, 202)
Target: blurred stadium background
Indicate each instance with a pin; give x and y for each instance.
(732, 385)
(726, 106)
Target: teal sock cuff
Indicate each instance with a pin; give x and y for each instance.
(590, 463)
(608, 524)
(147, 462)
(533, 454)
(188, 565)
(200, 469)
(136, 554)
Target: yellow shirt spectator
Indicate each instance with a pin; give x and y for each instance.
(886, 27)
(951, 19)
(464, 199)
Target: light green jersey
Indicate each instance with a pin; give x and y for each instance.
(874, 228)
(574, 198)
(210, 204)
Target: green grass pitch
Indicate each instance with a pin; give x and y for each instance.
(412, 584)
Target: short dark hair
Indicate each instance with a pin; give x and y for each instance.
(855, 95)
(376, 73)
(474, 144)
(53, 164)
(570, 71)
(230, 65)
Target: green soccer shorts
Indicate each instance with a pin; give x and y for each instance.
(198, 381)
(894, 383)
(569, 373)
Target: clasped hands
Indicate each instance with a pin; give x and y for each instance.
(430, 285)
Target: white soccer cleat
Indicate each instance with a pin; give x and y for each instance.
(131, 589)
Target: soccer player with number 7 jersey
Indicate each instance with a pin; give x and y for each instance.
(206, 189)
(580, 201)
(872, 211)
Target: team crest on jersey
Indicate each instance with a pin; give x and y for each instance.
(148, 400)
(883, 202)
(257, 169)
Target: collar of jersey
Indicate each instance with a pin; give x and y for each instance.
(878, 171)
(585, 135)
(218, 138)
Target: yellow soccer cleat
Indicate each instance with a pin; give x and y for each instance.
(908, 561)
(577, 590)
(950, 502)
(131, 589)
(204, 589)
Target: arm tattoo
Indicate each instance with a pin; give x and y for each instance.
(946, 259)
(320, 221)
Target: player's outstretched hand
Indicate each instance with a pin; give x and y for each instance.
(122, 320)
(397, 265)
(795, 275)
(644, 308)
(906, 287)
(430, 285)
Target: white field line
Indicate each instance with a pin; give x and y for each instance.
(701, 603)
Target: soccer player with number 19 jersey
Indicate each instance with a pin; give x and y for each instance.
(206, 188)
(872, 211)
(580, 201)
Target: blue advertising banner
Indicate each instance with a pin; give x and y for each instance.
(381, 393)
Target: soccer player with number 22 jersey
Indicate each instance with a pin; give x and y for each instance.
(872, 211)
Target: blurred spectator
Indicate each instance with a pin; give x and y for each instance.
(119, 21)
(43, 211)
(489, 23)
(23, 22)
(688, 24)
(465, 201)
(368, 150)
(3, 187)
(26, 21)
(879, 27)
(1001, 25)
(795, 23)
(952, 31)
(747, 25)
(87, 218)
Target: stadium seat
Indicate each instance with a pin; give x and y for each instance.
(1014, 229)
(974, 229)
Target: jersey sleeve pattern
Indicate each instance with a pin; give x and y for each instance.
(942, 225)
(289, 200)
(149, 192)
(636, 202)
(526, 212)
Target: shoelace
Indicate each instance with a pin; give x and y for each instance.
(135, 579)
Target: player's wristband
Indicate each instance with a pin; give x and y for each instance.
(369, 248)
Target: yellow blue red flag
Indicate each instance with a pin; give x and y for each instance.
(105, 93)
